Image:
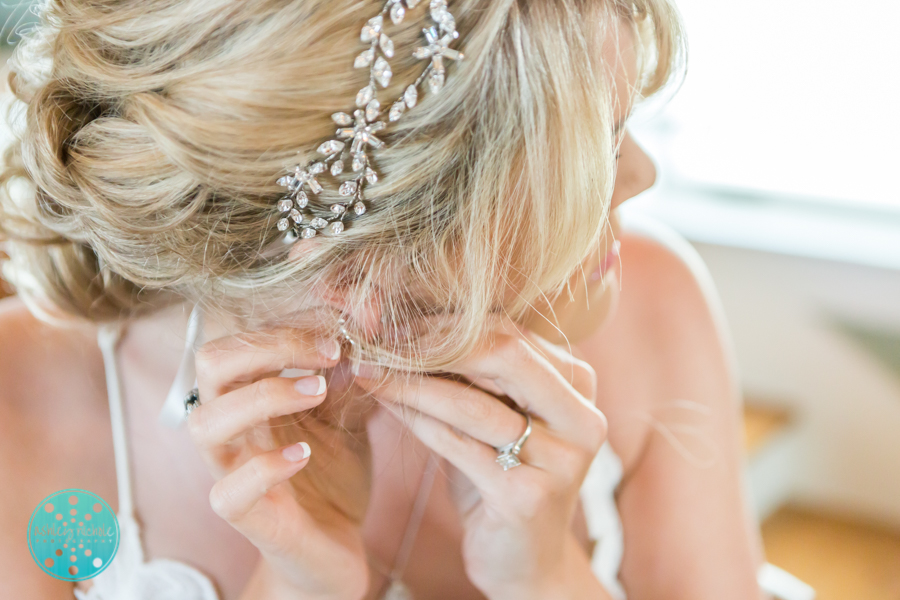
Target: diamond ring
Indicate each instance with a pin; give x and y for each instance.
(191, 401)
(507, 456)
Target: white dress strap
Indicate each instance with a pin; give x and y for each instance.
(172, 413)
(128, 576)
(108, 337)
(603, 521)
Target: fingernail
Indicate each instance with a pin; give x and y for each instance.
(330, 349)
(296, 452)
(311, 386)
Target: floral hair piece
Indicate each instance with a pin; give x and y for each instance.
(359, 129)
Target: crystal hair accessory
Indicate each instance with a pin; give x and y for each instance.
(297, 216)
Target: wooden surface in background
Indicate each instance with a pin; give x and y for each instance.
(760, 424)
(840, 558)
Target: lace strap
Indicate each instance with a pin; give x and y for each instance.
(108, 337)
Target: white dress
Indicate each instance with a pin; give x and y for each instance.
(130, 577)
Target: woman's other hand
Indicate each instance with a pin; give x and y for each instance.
(518, 540)
(308, 550)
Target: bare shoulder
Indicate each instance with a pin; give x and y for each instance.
(668, 386)
(38, 360)
(666, 284)
(39, 422)
(668, 341)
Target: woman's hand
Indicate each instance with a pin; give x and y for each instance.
(312, 550)
(518, 541)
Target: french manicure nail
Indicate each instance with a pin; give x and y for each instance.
(296, 452)
(311, 386)
(330, 349)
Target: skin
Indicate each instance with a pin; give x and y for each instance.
(687, 533)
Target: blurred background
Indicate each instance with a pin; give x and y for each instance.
(778, 160)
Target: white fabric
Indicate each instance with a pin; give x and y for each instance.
(172, 413)
(602, 516)
(129, 577)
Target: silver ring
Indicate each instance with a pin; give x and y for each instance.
(191, 401)
(507, 456)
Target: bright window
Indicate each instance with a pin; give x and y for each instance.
(786, 98)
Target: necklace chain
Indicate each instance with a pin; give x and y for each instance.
(396, 589)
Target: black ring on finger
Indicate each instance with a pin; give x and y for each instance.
(191, 401)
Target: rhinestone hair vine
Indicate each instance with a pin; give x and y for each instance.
(297, 218)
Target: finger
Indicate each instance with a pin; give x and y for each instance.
(474, 459)
(258, 501)
(226, 417)
(527, 376)
(251, 500)
(227, 363)
(496, 324)
(517, 491)
(578, 373)
(461, 405)
(488, 386)
(234, 496)
(473, 412)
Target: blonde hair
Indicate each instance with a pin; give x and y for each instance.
(149, 136)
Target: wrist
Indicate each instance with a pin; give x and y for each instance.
(571, 579)
(576, 580)
(266, 584)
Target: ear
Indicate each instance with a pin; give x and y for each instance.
(329, 293)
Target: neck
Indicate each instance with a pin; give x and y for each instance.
(167, 328)
(152, 347)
